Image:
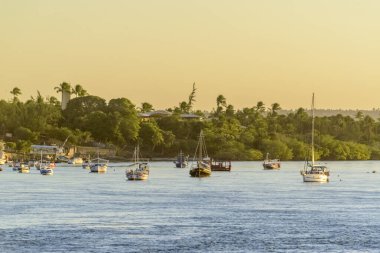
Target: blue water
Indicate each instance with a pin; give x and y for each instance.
(245, 210)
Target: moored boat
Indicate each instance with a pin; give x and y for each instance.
(181, 161)
(99, 165)
(22, 168)
(46, 170)
(220, 165)
(140, 170)
(314, 172)
(271, 164)
(201, 166)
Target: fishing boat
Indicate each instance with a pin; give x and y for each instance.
(99, 165)
(181, 161)
(201, 163)
(271, 164)
(313, 172)
(140, 170)
(220, 165)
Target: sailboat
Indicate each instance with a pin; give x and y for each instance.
(314, 172)
(181, 161)
(99, 165)
(271, 164)
(140, 170)
(44, 168)
(201, 166)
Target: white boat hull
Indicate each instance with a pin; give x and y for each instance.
(320, 178)
(98, 169)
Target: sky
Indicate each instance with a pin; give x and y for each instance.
(153, 51)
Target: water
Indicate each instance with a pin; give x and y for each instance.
(245, 210)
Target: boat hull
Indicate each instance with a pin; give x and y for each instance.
(46, 172)
(133, 176)
(319, 178)
(180, 165)
(271, 166)
(200, 172)
(98, 169)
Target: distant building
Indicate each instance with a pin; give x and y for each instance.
(46, 150)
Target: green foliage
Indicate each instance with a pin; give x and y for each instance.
(245, 134)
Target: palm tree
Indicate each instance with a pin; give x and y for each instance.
(275, 108)
(15, 92)
(79, 91)
(260, 107)
(63, 87)
(220, 103)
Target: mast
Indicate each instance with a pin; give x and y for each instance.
(200, 145)
(312, 131)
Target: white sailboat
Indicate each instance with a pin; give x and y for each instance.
(45, 169)
(140, 170)
(314, 172)
(99, 165)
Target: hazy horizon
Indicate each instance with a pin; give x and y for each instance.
(152, 51)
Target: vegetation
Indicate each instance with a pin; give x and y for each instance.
(244, 134)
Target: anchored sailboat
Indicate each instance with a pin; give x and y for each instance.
(202, 167)
(141, 170)
(314, 172)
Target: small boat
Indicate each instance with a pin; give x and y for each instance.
(99, 165)
(314, 172)
(181, 161)
(140, 170)
(46, 170)
(201, 165)
(22, 168)
(273, 164)
(220, 165)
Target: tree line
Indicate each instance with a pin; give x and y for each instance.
(231, 134)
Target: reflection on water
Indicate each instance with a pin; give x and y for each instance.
(247, 209)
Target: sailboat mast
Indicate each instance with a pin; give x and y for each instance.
(200, 145)
(312, 131)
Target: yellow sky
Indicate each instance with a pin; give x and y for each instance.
(270, 50)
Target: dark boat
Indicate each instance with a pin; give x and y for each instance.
(202, 167)
(220, 165)
(271, 164)
(181, 161)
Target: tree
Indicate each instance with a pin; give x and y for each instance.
(146, 107)
(191, 98)
(15, 92)
(79, 91)
(220, 103)
(63, 87)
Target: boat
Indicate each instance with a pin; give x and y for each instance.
(313, 172)
(220, 165)
(46, 170)
(22, 167)
(99, 165)
(271, 164)
(140, 170)
(201, 163)
(181, 161)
